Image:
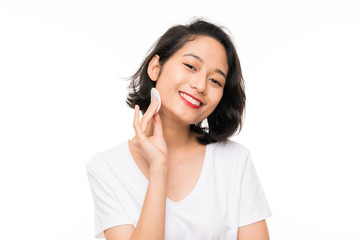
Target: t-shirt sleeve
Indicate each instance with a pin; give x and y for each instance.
(109, 211)
(253, 206)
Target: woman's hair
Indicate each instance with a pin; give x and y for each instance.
(227, 118)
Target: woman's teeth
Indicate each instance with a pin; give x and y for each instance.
(190, 99)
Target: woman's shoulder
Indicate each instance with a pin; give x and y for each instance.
(229, 153)
(108, 156)
(228, 157)
(231, 147)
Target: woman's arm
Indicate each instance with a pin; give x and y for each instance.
(151, 223)
(255, 231)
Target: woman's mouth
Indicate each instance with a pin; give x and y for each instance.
(190, 100)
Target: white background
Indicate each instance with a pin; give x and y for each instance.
(62, 99)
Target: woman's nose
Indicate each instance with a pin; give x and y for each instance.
(199, 83)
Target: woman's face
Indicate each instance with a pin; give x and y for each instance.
(192, 81)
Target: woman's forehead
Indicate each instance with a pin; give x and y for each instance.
(206, 50)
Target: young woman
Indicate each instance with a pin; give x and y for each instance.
(176, 179)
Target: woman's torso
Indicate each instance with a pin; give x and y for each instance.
(184, 169)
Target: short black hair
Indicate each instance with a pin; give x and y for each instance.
(227, 118)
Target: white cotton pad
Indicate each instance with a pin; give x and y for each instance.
(155, 94)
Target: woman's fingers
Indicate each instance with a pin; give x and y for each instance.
(136, 124)
(158, 131)
(148, 115)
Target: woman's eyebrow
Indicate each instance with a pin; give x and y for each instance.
(202, 61)
(221, 72)
(195, 56)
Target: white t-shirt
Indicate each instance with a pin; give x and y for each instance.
(228, 194)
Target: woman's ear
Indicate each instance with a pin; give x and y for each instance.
(154, 68)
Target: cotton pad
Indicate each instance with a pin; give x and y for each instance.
(155, 94)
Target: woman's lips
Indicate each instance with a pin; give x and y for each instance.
(190, 100)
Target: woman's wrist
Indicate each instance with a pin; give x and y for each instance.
(159, 168)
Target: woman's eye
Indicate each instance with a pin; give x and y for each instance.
(215, 81)
(190, 66)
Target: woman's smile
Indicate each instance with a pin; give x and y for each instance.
(190, 100)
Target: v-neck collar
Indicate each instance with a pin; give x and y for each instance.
(198, 185)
